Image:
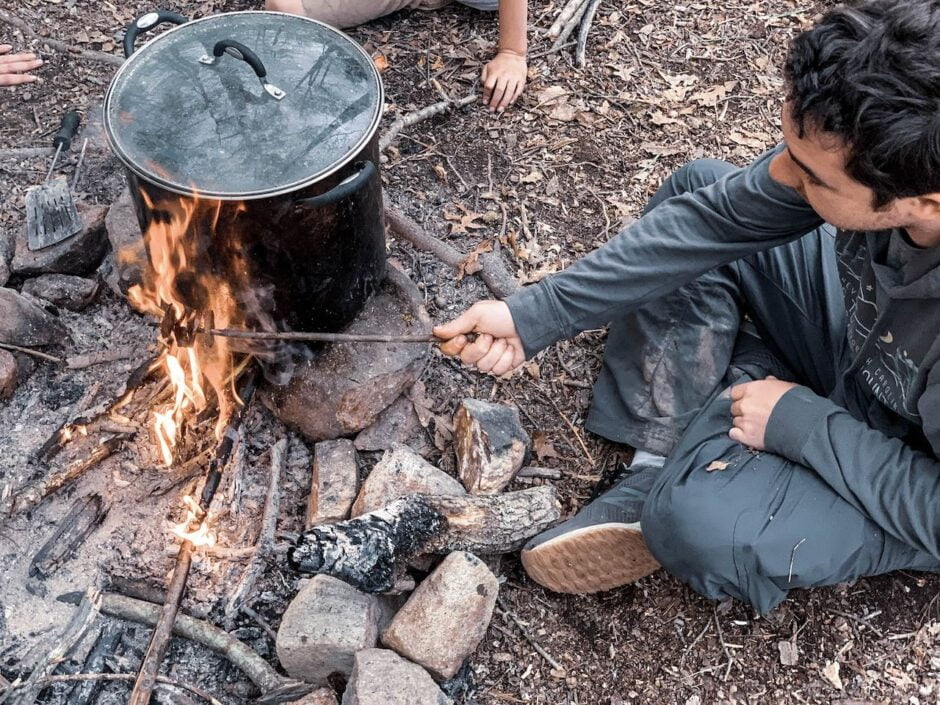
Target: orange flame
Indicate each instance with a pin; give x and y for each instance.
(201, 535)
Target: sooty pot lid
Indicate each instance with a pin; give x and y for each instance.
(243, 105)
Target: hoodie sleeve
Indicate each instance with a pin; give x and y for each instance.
(682, 238)
(898, 487)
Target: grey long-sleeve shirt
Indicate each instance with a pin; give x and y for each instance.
(877, 445)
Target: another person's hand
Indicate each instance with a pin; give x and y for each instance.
(14, 68)
(503, 79)
(497, 348)
(752, 403)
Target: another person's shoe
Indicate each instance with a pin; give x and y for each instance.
(601, 547)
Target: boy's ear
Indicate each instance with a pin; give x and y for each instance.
(927, 207)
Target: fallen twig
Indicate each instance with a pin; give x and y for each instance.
(78, 626)
(586, 22)
(493, 272)
(528, 637)
(551, 50)
(34, 493)
(30, 351)
(25, 152)
(100, 56)
(275, 687)
(80, 362)
(564, 18)
(265, 545)
(417, 116)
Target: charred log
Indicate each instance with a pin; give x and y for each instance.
(372, 550)
(86, 514)
(86, 692)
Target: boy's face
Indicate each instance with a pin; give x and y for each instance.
(814, 165)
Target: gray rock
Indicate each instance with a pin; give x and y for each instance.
(397, 424)
(65, 290)
(382, 677)
(401, 471)
(335, 482)
(7, 247)
(447, 615)
(79, 254)
(321, 696)
(490, 443)
(323, 628)
(9, 374)
(24, 323)
(345, 388)
(127, 242)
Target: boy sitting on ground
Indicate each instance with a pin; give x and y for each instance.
(503, 77)
(820, 463)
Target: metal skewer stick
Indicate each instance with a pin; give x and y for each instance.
(78, 167)
(319, 337)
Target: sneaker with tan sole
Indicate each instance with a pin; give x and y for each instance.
(601, 547)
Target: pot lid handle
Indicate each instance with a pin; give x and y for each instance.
(145, 23)
(243, 53)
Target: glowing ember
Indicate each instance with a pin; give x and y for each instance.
(200, 536)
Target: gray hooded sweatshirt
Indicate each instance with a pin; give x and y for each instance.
(876, 439)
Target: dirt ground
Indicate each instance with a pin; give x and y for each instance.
(550, 179)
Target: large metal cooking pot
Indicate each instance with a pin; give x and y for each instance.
(272, 118)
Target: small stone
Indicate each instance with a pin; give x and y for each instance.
(321, 696)
(127, 241)
(343, 389)
(9, 374)
(24, 323)
(382, 677)
(80, 254)
(490, 443)
(447, 615)
(335, 482)
(401, 471)
(397, 424)
(789, 654)
(323, 627)
(65, 290)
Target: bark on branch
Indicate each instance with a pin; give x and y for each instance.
(417, 116)
(372, 550)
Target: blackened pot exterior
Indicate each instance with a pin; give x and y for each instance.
(312, 267)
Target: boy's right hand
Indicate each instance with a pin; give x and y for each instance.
(497, 348)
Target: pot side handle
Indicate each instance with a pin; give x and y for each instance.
(345, 188)
(145, 23)
(243, 53)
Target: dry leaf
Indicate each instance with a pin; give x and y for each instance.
(441, 173)
(542, 447)
(463, 223)
(551, 94)
(831, 673)
(381, 63)
(658, 117)
(471, 263)
(532, 177)
(565, 112)
(747, 140)
(716, 465)
(711, 97)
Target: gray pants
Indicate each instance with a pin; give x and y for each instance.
(763, 524)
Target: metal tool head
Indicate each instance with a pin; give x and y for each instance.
(51, 216)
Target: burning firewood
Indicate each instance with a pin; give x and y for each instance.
(371, 551)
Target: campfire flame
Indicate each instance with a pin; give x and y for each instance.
(201, 535)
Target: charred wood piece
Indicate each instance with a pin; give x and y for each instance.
(34, 493)
(490, 444)
(86, 514)
(371, 551)
(274, 687)
(86, 692)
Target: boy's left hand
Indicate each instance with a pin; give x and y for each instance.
(751, 407)
(503, 80)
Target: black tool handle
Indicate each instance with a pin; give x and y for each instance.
(241, 52)
(67, 130)
(145, 23)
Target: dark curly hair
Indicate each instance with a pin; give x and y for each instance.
(869, 73)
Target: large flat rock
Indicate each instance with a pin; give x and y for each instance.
(80, 254)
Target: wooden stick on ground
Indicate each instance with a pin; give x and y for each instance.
(76, 629)
(371, 550)
(34, 493)
(564, 18)
(26, 152)
(571, 24)
(100, 56)
(275, 687)
(264, 549)
(417, 116)
(586, 22)
(493, 272)
(30, 351)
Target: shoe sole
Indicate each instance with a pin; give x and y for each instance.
(591, 559)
